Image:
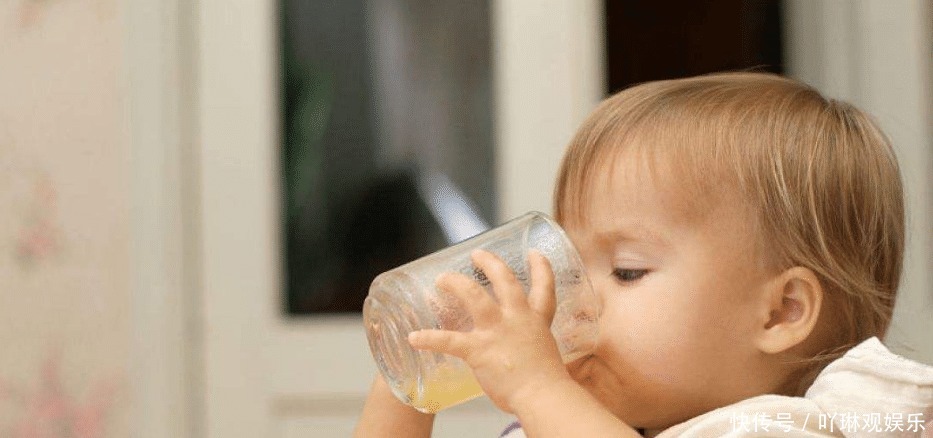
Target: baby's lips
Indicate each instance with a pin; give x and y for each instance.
(577, 368)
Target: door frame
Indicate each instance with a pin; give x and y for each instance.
(237, 129)
(164, 367)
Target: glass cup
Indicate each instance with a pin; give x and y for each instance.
(405, 299)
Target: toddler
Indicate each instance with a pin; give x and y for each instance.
(742, 232)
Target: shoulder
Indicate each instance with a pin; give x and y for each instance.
(885, 392)
(870, 378)
(867, 391)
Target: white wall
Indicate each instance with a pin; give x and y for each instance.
(65, 223)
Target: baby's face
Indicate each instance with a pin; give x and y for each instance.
(678, 290)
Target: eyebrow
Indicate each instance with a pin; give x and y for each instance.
(633, 233)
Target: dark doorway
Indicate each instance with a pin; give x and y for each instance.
(648, 40)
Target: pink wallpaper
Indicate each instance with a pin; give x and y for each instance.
(64, 220)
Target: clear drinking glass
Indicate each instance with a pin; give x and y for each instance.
(405, 299)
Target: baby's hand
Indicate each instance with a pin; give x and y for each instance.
(510, 349)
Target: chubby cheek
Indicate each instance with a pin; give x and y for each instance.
(662, 341)
(646, 343)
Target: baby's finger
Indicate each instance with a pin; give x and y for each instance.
(541, 298)
(472, 297)
(441, 341)
(504, 284)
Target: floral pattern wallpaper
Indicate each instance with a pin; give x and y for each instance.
(64, 221)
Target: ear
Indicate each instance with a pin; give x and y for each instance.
(790, 309)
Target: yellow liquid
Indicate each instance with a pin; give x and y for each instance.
(447, 387)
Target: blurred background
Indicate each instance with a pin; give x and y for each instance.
(196, 194)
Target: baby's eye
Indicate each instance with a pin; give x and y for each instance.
(628, 275)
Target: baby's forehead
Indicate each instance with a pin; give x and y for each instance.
(654, 177)
(657, 213)
(659, 159)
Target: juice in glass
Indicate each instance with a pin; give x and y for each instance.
(445, 388)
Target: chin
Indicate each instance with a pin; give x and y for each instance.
(585, 371)
(581, 370)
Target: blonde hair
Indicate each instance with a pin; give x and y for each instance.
(820, 176)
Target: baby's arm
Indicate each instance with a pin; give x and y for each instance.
(385, 415)
(514, 356)
(565, 409)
